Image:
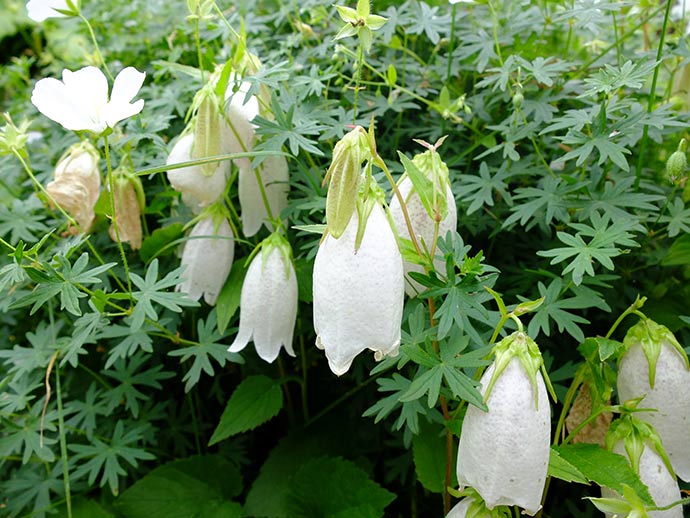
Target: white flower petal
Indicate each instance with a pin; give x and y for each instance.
(207, 256)
(268, 306)
(40, 10)
(663, 487)
(669, 396)
(198, 190)
(504, 453)
(55, 101)
(358, 296)
(423, 227)
(275, 177)
(127, 85)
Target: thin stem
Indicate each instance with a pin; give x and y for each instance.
(569, 398)
(358, 77)
(111, 195)
(497, 44)
(97, 49)
(198, 45)
(63, 443)
(632, 309)
(652, 94)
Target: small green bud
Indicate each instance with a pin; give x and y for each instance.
(518, 99)
(677, 163)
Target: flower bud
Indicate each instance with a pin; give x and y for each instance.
(268, 303)
(127, 210)
(198, 190)
(77, 184)
(677, 163)
(504, 452)
(655, 366)
(207, 257)
(207, 132)
(275, 178)
(358, 293)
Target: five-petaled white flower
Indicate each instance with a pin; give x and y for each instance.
(40, 10)
(80, 101)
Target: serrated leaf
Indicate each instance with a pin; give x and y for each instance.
(256, 400)
(604, 468)
(344, 489)
(429, 454)
(198, 487)
(564, 470)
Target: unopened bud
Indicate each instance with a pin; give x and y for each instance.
(677, 163)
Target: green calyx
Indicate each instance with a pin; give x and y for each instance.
(276, 240)
(344, 176)
(517, 345)
(359, 22)
(207, 129)
(370, 194)
(478, 508)
(635, 434)
(652, 336)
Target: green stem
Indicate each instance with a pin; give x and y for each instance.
(497, 44)
(97, 49)
(652, 94)
(197, 38)
(111, 195)
(63, 443)
(569, 398)
(358, 77)
(632, 309)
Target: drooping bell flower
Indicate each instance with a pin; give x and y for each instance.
(425, 189)
(640, 444)
(268, 303)
(274, 175)
(237, 130)
(207, 256)
(504, 452)
(358, 288)
(77, 184)
(654, 365)
(128, 197)
(198, 189)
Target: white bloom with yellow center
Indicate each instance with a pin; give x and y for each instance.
(80, 101)
(358, 294)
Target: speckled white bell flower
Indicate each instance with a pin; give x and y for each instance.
(663, 487)
(275, 177)
(504, 453)
(80, 102)
(198, 190)
(77, 183)
(423, 226)
(358, 294)
(207, 257)
(665, 389)
(237, 130)
(268, 304)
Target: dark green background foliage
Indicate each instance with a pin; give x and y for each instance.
(558, 170)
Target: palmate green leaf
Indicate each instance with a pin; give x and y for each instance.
(31, 488)
(23, 360)
(584, 145)
(151, 291)
(409, 410)
(131, 375)
(478, 190)
(344, 490)
(105, 458)
(85, 329)
(618, 200)
(602, 247)
(23, 221)
(678, 253)
(206, 349)
(131, 342)
(22, 435)
(197, 487)
(256, 400)
(603, 467)
(678, 218)
(543, 204)
(85, 414)
(555, 308)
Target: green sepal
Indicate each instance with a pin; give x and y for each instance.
(631, 506)
(207, 130)
(516, 345)
(651, 336)
(369, 196)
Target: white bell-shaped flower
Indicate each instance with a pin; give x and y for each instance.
(504, 452)
(80, 101)
(358, 293)
(423, 226)
(198, 190)
(664, 387)
(268, 303)
(77, 183)
(237, 130)
(663, 487)
(207, 257)
(275, 178)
